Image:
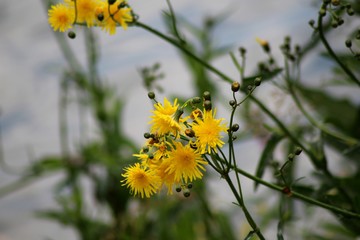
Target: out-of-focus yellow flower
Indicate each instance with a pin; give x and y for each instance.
(61, 17)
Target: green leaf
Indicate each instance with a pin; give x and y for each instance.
(343, 114)
(267, 155)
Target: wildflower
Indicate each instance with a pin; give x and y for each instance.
(167, 178)
(208, 132)
(185, 163)
(264, 44)
(113, 15)
(85, 11)
(164, 120)
(140, 180)
(61, 17)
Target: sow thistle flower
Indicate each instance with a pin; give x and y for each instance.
(175, 148)
(208, 132)
(61, 17)
(92, 13)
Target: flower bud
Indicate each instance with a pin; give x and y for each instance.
(298, 150)
(147, 135)
(335, 2)
(207, 105)
(235, 127)
(312, 22)
(235, 86)
(232, 103)
(348, 43)
(100, 17)
(186, 192)
(190, 185)
(71, 35)
(178, 189)
(151, 95)
(111, 2)
(207, 95)
(257, 81)
(189, 132)
(196, 100)
(291, 156)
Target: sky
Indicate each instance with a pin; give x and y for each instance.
(30, 64)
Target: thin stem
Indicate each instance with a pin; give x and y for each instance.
(243, 207)
(297, 195)
(331, 52)
(186, 51)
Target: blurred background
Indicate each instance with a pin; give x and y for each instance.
(31, 72)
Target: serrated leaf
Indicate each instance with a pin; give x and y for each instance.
(266, 156)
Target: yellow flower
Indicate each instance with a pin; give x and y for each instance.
(167, 178)
(85, 11)
(61, 17)
(208, 132)
(164, 120)
(141, 181)
(112, 16)
(185, 163)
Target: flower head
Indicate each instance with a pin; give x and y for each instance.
(113, 15)
(141, 181)
(61, 17)
(208, 132)
(185, 163)
(164, 120)
(85, 11)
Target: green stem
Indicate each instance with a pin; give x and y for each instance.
(298, 195)
(185, 50)
(331, 52)
(243, 207)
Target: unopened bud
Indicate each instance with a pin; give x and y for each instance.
(189, 132)
(71, 35)
(235, 127)
(235, 86)
(257, 81)
(298, 150)
(348, 43)
(207, 95)
(151, 95)
(207, 105)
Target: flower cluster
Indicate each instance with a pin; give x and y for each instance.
(173, 155)
(107, 14)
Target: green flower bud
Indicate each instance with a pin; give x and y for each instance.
(312, 22)
(186, 193)
(196, 100)
(207, 105)
(178, 189)
(207, 95)
(190, 185)
(147, 135)
(100, 17)
(232, 103)
(257, 81)
(298, 150)
(71, 35)
(151, 95)
(111, 2)
(348, 43)
(291, 156)
(235, 127)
